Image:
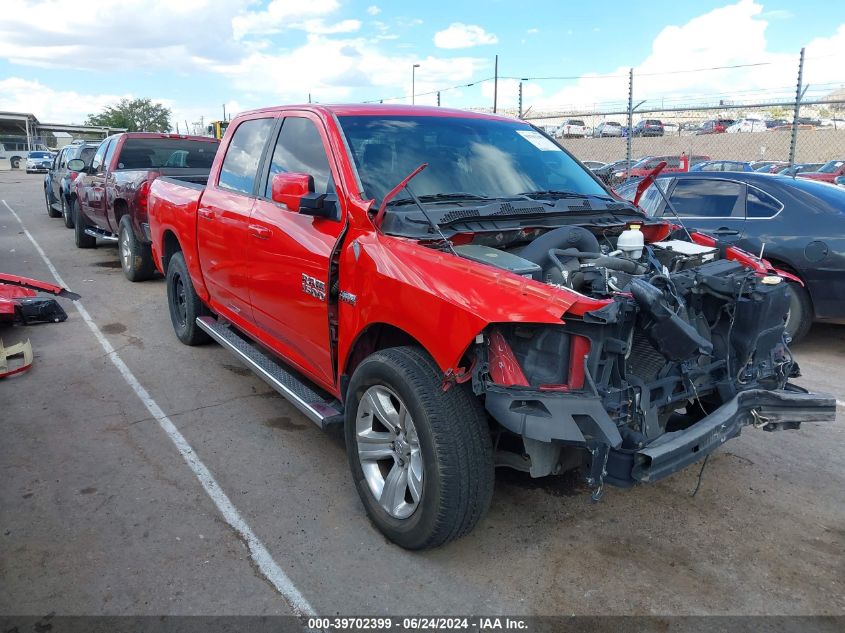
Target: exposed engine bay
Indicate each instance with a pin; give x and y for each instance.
(685, 332)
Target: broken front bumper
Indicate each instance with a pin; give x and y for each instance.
(669, 453)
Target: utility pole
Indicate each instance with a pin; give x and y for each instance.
(309, 97)
(438, 98)
(793, 144)
(520, 99)
(630, 122)
(413, 79)
(224, 111)
(495, 83)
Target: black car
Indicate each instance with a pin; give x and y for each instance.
(797, 224)
(648, 127)
(606, 172)
(59, 178)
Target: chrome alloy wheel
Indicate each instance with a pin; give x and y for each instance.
(125, 250)
(389, 451)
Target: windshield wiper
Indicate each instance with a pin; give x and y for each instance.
(562, 194)
(441, 197)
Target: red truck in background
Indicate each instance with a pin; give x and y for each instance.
(109, 196)
(460, 294)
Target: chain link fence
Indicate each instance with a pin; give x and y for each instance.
(753, 129)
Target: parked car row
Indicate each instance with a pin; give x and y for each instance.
(101, 191)
(577, 128)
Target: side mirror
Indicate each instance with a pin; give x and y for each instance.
(290, 187)
(296, 192)
(76, 164)
(840, 180)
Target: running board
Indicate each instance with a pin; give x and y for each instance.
(322, 410)
(103, 235)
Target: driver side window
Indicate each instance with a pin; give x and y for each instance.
(299, 149)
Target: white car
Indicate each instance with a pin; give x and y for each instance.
(747, 125)
(836, 124)
(671, 129)
(39, 161)
(572, 128)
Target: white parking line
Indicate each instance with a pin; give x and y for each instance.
(257, 550)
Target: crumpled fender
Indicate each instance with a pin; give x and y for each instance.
(441, 300)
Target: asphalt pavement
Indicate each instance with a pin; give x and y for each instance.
(102, 511)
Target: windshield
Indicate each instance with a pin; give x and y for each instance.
(39, 154)
(481, 157)
(830, 166)
(651, 198)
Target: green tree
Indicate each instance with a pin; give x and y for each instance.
(136, 115)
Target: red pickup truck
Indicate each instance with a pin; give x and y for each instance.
(461, 294)
(109, 196)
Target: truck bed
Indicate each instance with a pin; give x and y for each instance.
(194, 181)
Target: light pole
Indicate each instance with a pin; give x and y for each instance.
(413, 71)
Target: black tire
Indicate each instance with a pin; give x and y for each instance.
(15, 162)
(67, 210)
(50, 210)
(184, 304)
(800, 316)
(80, 237)
(136, 257)
(454, 440)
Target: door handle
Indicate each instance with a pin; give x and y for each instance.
(261, 232)
(206, 214)
(723, 230)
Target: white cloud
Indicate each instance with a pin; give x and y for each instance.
(319, 27)
(277, 15)
(48, 105)
(335, 67)
(692, 46)
(373, 10)
(532, 31)
(508, 93)
(459, 35)
(99, 35)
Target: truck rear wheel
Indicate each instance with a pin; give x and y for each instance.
(136, 257)
(421, 457)
(80, 237)
(184, 303)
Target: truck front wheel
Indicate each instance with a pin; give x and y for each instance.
(136, 257)
(184, 303)
(421, 457)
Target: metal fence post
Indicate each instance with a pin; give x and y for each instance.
(520, 99)
(630, 122)
(793, 144)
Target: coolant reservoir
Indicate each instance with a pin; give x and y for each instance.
(631, 242)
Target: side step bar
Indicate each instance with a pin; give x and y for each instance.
(322, 410)
(103, 235)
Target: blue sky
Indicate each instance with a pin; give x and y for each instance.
(64, 58)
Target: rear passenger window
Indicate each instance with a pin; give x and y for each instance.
(759, 204)
(707, 198)
(300, 149)
(243, 155)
